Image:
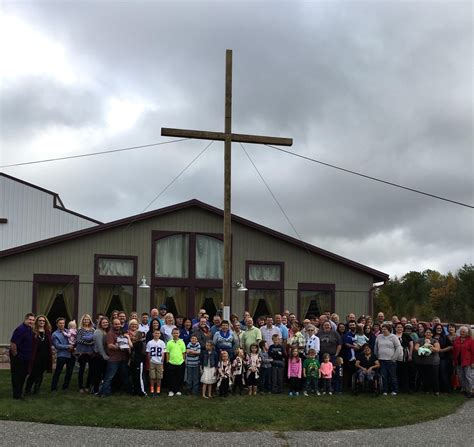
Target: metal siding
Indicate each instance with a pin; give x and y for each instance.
(76, 257)
(31, 215)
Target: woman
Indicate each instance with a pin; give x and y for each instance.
(370, 335)
(168, 327)
(463, 359)
(224, 340)
(451, 332)
(132, 328)
(296, 338)
(85, 351)
(366, 365)
(445, 358)
(186, 331)
(98, 363)
(427, 350)
(420, 330)
(154, 326)
(341, 329)
(388, 350)
(403, 364)
(41, 359)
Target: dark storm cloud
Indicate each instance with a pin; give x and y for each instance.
(382, 88)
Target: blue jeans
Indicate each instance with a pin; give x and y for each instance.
(112, 369)
(388, 371)
(266, 380)
(193, 379)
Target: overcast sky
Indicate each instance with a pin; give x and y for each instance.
(383, 88)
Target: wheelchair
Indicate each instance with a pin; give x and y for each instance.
(369, 386)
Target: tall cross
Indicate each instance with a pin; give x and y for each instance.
(227, 136)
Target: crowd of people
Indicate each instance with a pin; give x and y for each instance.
(319, 355)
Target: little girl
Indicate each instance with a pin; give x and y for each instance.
(224, 374)
(325, 374)
(71, 332)
(253, 369)
(238, 371)
(294, 372)
(208, 368)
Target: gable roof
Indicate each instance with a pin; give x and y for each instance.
(57, 202)
(377, 275)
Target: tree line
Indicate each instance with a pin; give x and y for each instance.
(429, 293)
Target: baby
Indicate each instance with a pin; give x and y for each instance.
(71, 332)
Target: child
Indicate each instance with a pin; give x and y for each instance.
(294, 372)
(155, 350)
(253, 364)
(277, 354)
(325, 373)
(360, 339)
(266, 369)
(71, 332)
(208, 369)
(238, 371)
(224, 374)
(137, 363)
(311, 373)
(338, 375)
(175, 355)
(193, 351)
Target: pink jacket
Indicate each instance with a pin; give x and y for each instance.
(325, 370)
(295, 369)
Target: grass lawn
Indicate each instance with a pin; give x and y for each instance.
(240, 413)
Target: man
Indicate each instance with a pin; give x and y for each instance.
(195, 321)
(162, 312)
(311, 340)
(154, 314)
(283, 329)
(122, 316)
(380, 318)
(330, 342)
(350, 352)
(269, 330)
(64, 355)
(144, 324)
(21, 350)
(323, 318)
(118, 349)
(251, 336)
(217, 324)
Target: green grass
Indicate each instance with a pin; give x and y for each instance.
(240, 413)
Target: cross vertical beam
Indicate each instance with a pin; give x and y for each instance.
(227, 283)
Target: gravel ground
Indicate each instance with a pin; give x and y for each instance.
(456, 429)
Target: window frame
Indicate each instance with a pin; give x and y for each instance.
(114, 280)
(315, 287)
(40, 278)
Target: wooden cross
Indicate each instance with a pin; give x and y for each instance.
(227, 136)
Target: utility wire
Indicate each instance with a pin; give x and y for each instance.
(275, 199)
(171, 182)
(370, 177)
(91, 154)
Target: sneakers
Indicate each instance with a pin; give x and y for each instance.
(305, 394)
(170, 394)
(394, 393)
(297, 394)
(330, 393)
(318, 393)
(178, 393)
(384, 394)
(290, 394)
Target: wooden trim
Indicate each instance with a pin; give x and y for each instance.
(265, 284)
(3, 220)
(39, 278)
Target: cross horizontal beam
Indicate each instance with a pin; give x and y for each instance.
(221, 136)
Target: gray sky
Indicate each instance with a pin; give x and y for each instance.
(383, 88)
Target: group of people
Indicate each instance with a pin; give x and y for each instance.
(320, 355)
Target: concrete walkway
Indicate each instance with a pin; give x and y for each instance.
(453, 430)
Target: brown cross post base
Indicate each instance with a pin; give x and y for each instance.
(227, 136)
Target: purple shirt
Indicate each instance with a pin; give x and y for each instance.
(23, 338)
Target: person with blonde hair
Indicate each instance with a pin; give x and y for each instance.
(42, 359)
(85, 351)
(167, 328)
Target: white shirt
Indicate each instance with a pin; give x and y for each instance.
(157, 351)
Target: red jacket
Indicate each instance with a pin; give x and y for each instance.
(466, 350)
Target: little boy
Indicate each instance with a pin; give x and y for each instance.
(265, 369)
(277, 354)
(338, 375)
(193, 351)
(311, 373)
(175, 355)
(155, 349)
